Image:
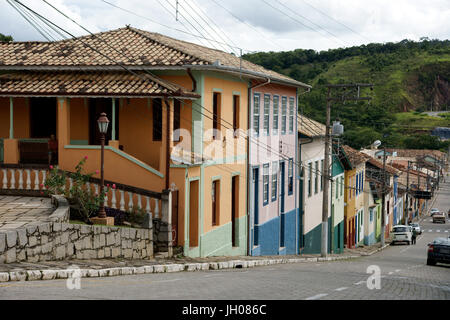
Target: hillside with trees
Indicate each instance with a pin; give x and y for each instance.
(409, 77)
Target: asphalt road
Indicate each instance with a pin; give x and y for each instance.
(403, 275)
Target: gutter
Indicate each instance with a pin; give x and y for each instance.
(260, 85)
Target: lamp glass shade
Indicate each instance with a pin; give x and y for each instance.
(103, 126)
(103, 123)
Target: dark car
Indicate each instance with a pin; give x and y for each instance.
(439, 251)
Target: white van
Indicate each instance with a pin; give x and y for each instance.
(401, 233)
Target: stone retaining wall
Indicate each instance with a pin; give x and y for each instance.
(57, 239)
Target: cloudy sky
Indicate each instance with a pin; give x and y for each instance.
(253, 25)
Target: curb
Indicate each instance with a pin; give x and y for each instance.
(375, 251)
(34, 275)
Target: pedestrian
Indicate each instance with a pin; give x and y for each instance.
(414, 235)
(52, 150)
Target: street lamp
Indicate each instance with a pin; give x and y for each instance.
(103, 123)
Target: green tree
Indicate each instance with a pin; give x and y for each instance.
(4, 38)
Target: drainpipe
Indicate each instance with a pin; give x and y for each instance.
(194, 82)
(166, 101)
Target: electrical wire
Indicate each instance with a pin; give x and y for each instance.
(280, 155)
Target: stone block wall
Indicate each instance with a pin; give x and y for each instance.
(57, 239)
(161, 235)
(51, 241)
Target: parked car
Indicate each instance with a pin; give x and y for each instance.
(416, 227)
(439, 217)
(401, 233)
(433, 211)
(438, 251)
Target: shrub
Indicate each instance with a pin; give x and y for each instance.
(82, 199)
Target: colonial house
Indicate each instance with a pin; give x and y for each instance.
(337, 202)
(373, 198)
(413, 205)
(354, 199)
(273, 167)
(311, 135)
(178, 116)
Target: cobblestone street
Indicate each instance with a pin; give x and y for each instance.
(404, 276)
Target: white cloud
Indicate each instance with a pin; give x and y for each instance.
(375, 21)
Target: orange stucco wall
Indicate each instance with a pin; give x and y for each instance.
(135, 130)
(225, 178)
(79, 119)
(21, 118)
(230, 148)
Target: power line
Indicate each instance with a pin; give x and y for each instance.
(166, 26)
(199, 32)
(215, 24)
(310, 21)
(296, 20)
(195, 20)
(207, 23)
(246, 23)
(258, 143)
(325, 14)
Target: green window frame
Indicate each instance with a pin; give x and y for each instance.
(337, 188)
(309, 179)
(274, 180)
(265, 184)
(291, 177)
(316, 177)
(291, 115)
(322, 175)
(266, 114)
(283, 114)
(276, 110)
(256, 109)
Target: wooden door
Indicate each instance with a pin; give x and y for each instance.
(175, 218)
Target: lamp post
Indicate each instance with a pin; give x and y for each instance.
(103, 123)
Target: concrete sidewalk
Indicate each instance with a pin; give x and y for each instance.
(115, 267)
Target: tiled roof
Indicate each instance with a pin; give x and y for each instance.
(411, 153)
(310, 127)
(123, 46)
(127, 46)
(354, 156)
(379, 165)
(88, 84)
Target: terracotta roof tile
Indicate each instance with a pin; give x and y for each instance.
(88, 83)
(127, 46)
(354, 156)
(310, 127)
(411, 153)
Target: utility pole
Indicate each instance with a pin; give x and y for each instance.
(326, 164)
(326, 181)
(383, 197)
(407, 195)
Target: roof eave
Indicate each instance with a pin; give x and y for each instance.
(250, 73)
